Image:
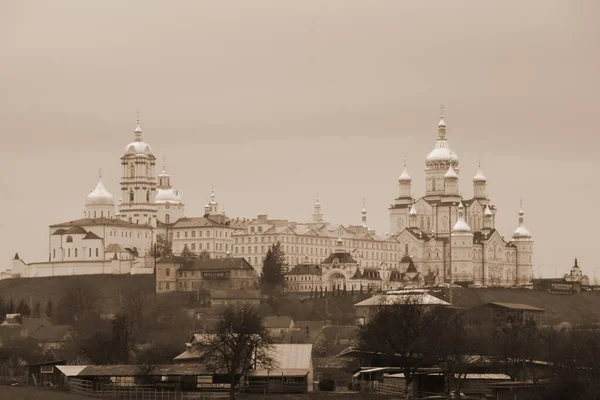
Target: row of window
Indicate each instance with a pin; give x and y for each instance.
(75, 252)
(316, 241)
(101, 214)
(193, 234)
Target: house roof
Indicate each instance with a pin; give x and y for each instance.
(197, 222)
(115, 248)
(135, 370)
(305, 269)
(311, 325)
(277, 322)
(54, 333)
(401, 298)
(71, 370)
(172, 259)
(84, 222)
(288, 360)
(91, 235)
(33, 324)
(515, 306)
(217, 263)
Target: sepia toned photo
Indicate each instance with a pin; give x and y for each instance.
(299, 200)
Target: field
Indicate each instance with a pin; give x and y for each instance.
(33, 393)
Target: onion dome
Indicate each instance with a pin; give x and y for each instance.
(451, 174)
(404, 177)
(461, 225)
(441, 152)
(413, 210)
(521, 232)
(487, 212)
(479, 177)
(138, 146)
(100, 196)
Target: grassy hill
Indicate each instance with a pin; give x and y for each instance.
(109, 287)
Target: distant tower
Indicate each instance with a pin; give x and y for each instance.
(451, 182)
(523, 242)
(317, 213)
(479, 185)
(413, 218)
(99, 203)
(462, 248)
(170, 207)
(364, 215)
(138, 185)
(405, 183)
(437, 163)
(214, 206)
(488, 219)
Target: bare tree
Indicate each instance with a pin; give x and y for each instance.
(401, 331)
(238, 343)
(78, 299)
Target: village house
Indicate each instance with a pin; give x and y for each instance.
(216, 273)
(279, 325)
(166, 273)
(366, 308)
(499, 313)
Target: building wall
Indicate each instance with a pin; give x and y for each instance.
(46, 269)
(166, 277)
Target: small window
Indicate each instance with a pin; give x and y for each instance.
(90, 252)
(168, 272)
(167, 285)
(147, 195)
(167, 217)
(68, 252)
(75, 252)
(53, 253)
(96, 252)
(69, 239)
(131, 196)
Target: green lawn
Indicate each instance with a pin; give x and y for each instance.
(33, 393)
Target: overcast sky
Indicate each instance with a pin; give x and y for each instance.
(274, 101)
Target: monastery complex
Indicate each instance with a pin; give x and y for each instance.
(435, 238)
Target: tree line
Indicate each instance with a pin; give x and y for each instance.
(416, 336)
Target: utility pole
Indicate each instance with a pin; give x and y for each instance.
(155, 249)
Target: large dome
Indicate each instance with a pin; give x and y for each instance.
(442, 152)
(167, 196)
(100, 196)
(138, 146)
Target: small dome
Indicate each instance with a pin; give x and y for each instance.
(164, 174)
(487, 212)
(461, 225)
(442, 123)
(413, 210)
(521, 232)
(451, 174)
(404, 177)
(479, 177)
(167, 196)
(100, 196)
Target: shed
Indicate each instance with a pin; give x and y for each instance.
(292, 371)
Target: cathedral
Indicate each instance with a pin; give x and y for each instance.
(439, 237)
(454, 236)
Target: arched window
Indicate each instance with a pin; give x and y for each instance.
(433, 184)
(428, 222)
(406, 248)
(147, 195)
(132, 171)
(69, 239)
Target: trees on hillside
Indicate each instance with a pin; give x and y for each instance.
(402, 330)
(274, 268)
(78, 299)
(238, 342)
(162, 247)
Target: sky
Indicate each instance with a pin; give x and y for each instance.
(273, 101)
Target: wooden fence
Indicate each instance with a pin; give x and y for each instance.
(84, 387)
(391, 389)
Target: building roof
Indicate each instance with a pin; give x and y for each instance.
(54, 333)
(515, 306)
(197, 222)
(99, 196)
(403, 298)
(311, 325)
(135, 370)
(343, 258)
(288, 360)
(71, 370)
(91, 235)
(115, 248)
(305, 269)
(172, 259)
(217, 263)
(86, 222)
(278, 322)
(33, 324)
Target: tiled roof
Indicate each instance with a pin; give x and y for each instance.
(305, 269)
(371, 274)
(276, 322)
(217, 263)
(288, 359)
(99, 222)
(401, 298)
